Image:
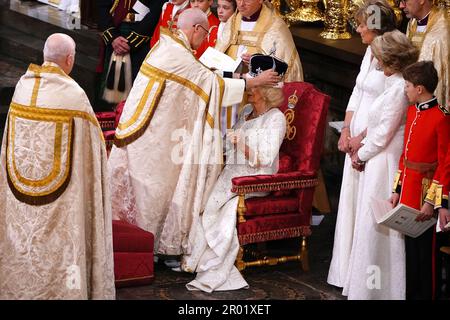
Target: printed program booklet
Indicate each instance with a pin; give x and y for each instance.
(401, 218)
(213, 58)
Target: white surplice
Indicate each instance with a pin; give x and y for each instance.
(377, 260)
(369, 85)
(215, 239)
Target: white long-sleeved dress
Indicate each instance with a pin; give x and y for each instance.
(377, 260)
(215, 245)
(369, 85)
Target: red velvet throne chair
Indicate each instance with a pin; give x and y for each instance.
(286, 211)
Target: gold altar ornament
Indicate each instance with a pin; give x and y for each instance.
(336, 17)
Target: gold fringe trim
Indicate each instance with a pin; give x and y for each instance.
(275, 186)
(274, 235)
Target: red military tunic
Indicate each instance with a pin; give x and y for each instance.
(167, 20)
(427, 138)
(210, 41)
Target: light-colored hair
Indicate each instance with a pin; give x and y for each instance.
(394, 50)
(191, 17)
(58, 46)
(386, 20)
(273, 97)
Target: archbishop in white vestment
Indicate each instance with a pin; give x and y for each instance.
(55, 212)
(168, 149)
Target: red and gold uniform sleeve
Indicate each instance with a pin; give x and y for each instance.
(438, 192)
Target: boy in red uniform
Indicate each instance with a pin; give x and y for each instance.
(169, 17)
(210, 41)
(427, 137)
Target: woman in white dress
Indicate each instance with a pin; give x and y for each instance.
(369, 85)
(377, 260)
(253, 150)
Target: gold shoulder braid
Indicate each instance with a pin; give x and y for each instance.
(444, 111)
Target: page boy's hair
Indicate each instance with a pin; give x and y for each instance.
(422, 73)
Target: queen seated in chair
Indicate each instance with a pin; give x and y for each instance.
(252, 149)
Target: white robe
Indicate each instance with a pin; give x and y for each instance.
(216, 242)
(369, 85)
(377, 260)
(55, 207)
(167, 157)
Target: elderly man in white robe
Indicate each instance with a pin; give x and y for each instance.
(55, 211)
(168, 146)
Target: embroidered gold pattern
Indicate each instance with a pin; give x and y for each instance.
(291, 130)
(274, 235)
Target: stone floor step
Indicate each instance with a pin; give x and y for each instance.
(35, 22)
(27, 48)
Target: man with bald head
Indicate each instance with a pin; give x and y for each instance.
(168, 146)
(55, 212)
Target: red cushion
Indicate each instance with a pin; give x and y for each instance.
(107, 115)
(133, 242)
(122, 226)
(270, 205)
(133, 254)
(132, 268)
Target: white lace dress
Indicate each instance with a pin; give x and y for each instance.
(216, 244)
(377, 260)
(369, 85)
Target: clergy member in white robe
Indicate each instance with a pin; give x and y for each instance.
(429, 30)
(377, 260)
(168, 147)
(55, 210)
(252, 150)
(369, 85)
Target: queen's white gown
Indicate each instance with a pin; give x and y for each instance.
(215, 245)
